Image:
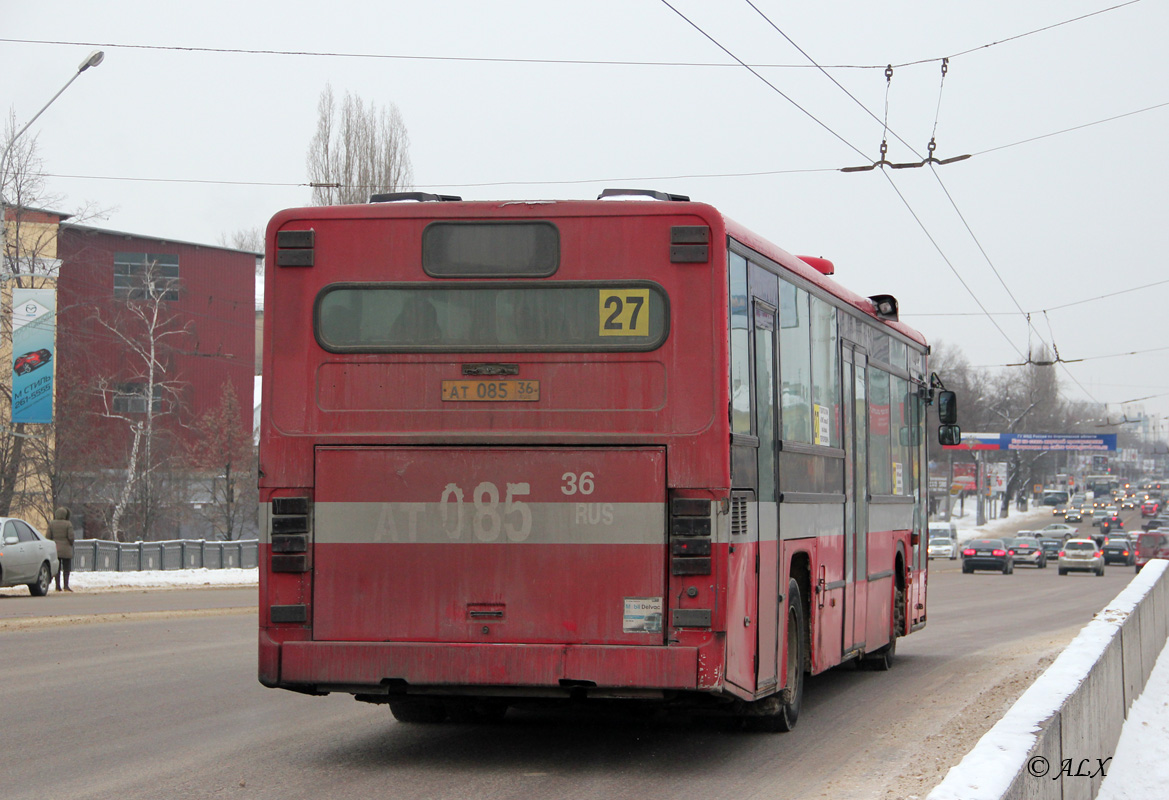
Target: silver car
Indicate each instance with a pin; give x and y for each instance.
(1081, 554)
(26, 557)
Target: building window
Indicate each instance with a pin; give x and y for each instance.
(138, 276)
(130, 398)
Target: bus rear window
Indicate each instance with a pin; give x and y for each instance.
(471, 317)
(490, 249)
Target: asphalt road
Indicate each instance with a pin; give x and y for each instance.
(153, 695)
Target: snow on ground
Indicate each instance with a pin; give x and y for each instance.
(987, 771)
(1033, 519)
(152, 579)
(1140, 768)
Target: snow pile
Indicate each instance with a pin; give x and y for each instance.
(988, 770)
(967, 527)
(1140, 768)
(151, 579)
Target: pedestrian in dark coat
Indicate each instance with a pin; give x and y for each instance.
(61, 532)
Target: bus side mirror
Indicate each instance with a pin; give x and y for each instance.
(947, 408)
(949, 435)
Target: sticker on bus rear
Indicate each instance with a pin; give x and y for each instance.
(642, 615)
(624, 312)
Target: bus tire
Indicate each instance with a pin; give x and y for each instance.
(779, 712)
(418, 711)
(881, 660)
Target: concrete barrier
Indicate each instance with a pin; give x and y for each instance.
(93, 555)
(1054, 742)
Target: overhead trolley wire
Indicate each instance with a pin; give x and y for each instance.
(456, 185)
(1041, 310)
(931, 160)
(752, 70)
(888, 77)
(1069, 130)
(904, 200)
(565, 61)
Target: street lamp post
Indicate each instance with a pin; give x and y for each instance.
(92, 60)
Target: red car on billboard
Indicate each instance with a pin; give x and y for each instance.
(30, 361)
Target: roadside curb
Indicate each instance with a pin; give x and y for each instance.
(28, 623)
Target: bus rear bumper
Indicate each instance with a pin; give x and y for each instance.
(400, 666)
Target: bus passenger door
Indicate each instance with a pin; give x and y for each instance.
(854, 417)
(767, 573)
(753, 550)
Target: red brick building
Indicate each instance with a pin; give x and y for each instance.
(207, 322)
(200, 318)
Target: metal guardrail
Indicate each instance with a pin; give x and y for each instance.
(96, 555)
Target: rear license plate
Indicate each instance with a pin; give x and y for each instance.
(491, 391)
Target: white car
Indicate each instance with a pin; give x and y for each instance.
(1081, 555)
(943, 547)
(26, 557)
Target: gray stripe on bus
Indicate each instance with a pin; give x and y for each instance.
(551, 523)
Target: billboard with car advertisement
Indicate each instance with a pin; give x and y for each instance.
(34, 327)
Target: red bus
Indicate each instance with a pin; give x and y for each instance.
(527, 451)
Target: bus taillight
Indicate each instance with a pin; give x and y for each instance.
(690, 535)
(290, 534)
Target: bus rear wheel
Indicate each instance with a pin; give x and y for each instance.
(779, 713)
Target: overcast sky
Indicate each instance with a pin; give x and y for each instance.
(182, 136)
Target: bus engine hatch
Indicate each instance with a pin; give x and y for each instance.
(490, 544)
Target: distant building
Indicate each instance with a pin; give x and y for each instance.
(212, 303)
(206, 338)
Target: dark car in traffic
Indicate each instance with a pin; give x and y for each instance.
(987, 554)
(1026, 550)
(1051, 547)
(1119, 550)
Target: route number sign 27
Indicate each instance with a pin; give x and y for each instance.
(624, 312)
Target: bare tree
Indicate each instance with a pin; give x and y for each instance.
(29, 253)
(248, 239)
(30, 241)
(357, 151)
(145, 393)
(224, 454)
